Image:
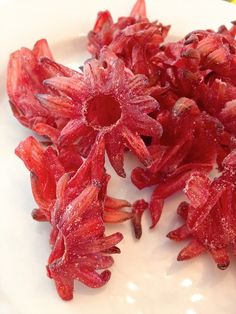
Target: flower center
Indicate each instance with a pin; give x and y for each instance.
(102, 111)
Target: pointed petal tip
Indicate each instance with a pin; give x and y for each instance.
(182, 257)
(38, 215)
(153, 225)
(106, 275)
(122, 174)
(139, 10)
(137, 227)
(138, 234)
(184, 254)
(54, 82)
(47, 82)
(115, 203)
(223, 266)
(120, 236)
(116, 216)
(64, 291)
(20, 149)
(112, 250)
(120, 171)
(171, 235)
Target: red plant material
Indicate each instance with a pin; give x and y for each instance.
(105, 29)
(190, 142)
(78, 248)
(27, 69)
(228, 116)
(76, 204)
(139, 10)
(210, 215)
(134, 39)
(201, 67)
(113, 212)
(138, 209)
(107, 99)
(47, 166)
(198, 67)
(46, 170)
(113, 106)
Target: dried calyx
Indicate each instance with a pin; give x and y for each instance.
(172, 105)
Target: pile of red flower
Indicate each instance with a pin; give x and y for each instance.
(173, 105)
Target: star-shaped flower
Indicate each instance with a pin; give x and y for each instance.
(107, 99)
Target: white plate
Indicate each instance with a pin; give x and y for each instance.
(146, 277)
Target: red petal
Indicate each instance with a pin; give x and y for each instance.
(198, 189)
(138, 209)
(136, 144)
(193, 249)
(72, 131)
(93, 279)
(58, 105)
(116, 216)
(41, 49)
(221, 258)
(46, 130)
(77, 207)
(139, 10)
(179, 234)
(65, 288)
(115, 203)
(156, 207)
(198, 216)
(70, 86)
(99, 245)
(115, 152)
(40, 215)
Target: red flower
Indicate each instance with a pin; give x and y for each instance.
(191, 140)
(78, 235)
(107, 99)
(112, 106)
(26, 71)
(201, 66)
(105, 29)
(134, 39)
(46, 170)
(210, 216)
(76, 204)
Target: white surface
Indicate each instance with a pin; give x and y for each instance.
(146, 278)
